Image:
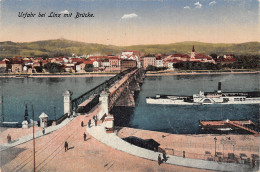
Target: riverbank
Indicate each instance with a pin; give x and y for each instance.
(94, 74)
(56, 75)
(198, 73)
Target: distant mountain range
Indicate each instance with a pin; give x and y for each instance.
(66, 47)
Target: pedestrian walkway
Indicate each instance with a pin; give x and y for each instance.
(37, 134)
(112, 140)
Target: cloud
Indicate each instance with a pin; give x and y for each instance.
(64, 12)
(198, 5)
(212, 3)
(186, 7)
(129, 16)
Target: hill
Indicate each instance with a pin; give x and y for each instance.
(66, 47)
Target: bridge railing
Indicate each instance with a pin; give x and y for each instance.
(98, 89)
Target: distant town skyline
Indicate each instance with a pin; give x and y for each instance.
(131, 22)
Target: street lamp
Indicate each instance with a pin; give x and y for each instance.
(223, 142)
(215, 139)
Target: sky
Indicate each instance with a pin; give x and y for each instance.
(132, 22)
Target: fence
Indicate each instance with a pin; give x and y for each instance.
(219, 146)
(219, 157)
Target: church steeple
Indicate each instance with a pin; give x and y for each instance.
(193, 53)
(193, 49)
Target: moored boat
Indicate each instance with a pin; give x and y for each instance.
(203, 98)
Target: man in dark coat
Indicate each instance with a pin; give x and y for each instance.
(95, 122)
(89, 122)
(43, 131)
(85, 136)
(82, 124)
(66, 146)
(159, 159)
(164, 157)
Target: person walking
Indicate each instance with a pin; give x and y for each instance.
(66, 146)
(164, 157)
(85, 136)
(43, 131)
(159, 159)
(82, 124)
(95, 122)
(89, 122)
(9, 138)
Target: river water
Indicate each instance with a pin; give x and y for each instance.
(45, 93)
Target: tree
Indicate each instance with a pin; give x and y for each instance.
(89, 67)
(38, 69)
(214, 56)
(53, 68)
(151, 68)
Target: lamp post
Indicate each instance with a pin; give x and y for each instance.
(223, 143)
(215, 139)
(55, 113)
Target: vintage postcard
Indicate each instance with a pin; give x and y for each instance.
(129, 85)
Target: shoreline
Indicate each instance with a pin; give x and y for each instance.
(113, 74)
(202, 73)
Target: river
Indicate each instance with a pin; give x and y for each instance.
(46, 93)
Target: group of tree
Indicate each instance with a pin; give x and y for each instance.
(242, 61)
(154, 68)
(247, 62)
(197, 66)
(89, 67)
(53, 68)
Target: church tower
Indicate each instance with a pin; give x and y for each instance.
(193, 53)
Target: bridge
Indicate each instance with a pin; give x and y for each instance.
(117, 91)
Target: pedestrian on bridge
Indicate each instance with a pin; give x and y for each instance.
(159, 159)
(164, 157)
(85, 136)
(9, 138)
(82, 124)
(66, 146)
(89, 122)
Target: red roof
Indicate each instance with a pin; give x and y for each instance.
(78, 60)
(2, 62)
(176, 55)
(202, 56)
(226, 60)
(88, 62)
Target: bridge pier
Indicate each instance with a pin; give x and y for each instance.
(127, 98)
(67, 102)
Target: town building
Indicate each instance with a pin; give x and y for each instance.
(114, 64)
(127, 64)
(159, 62)
(149, 61)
